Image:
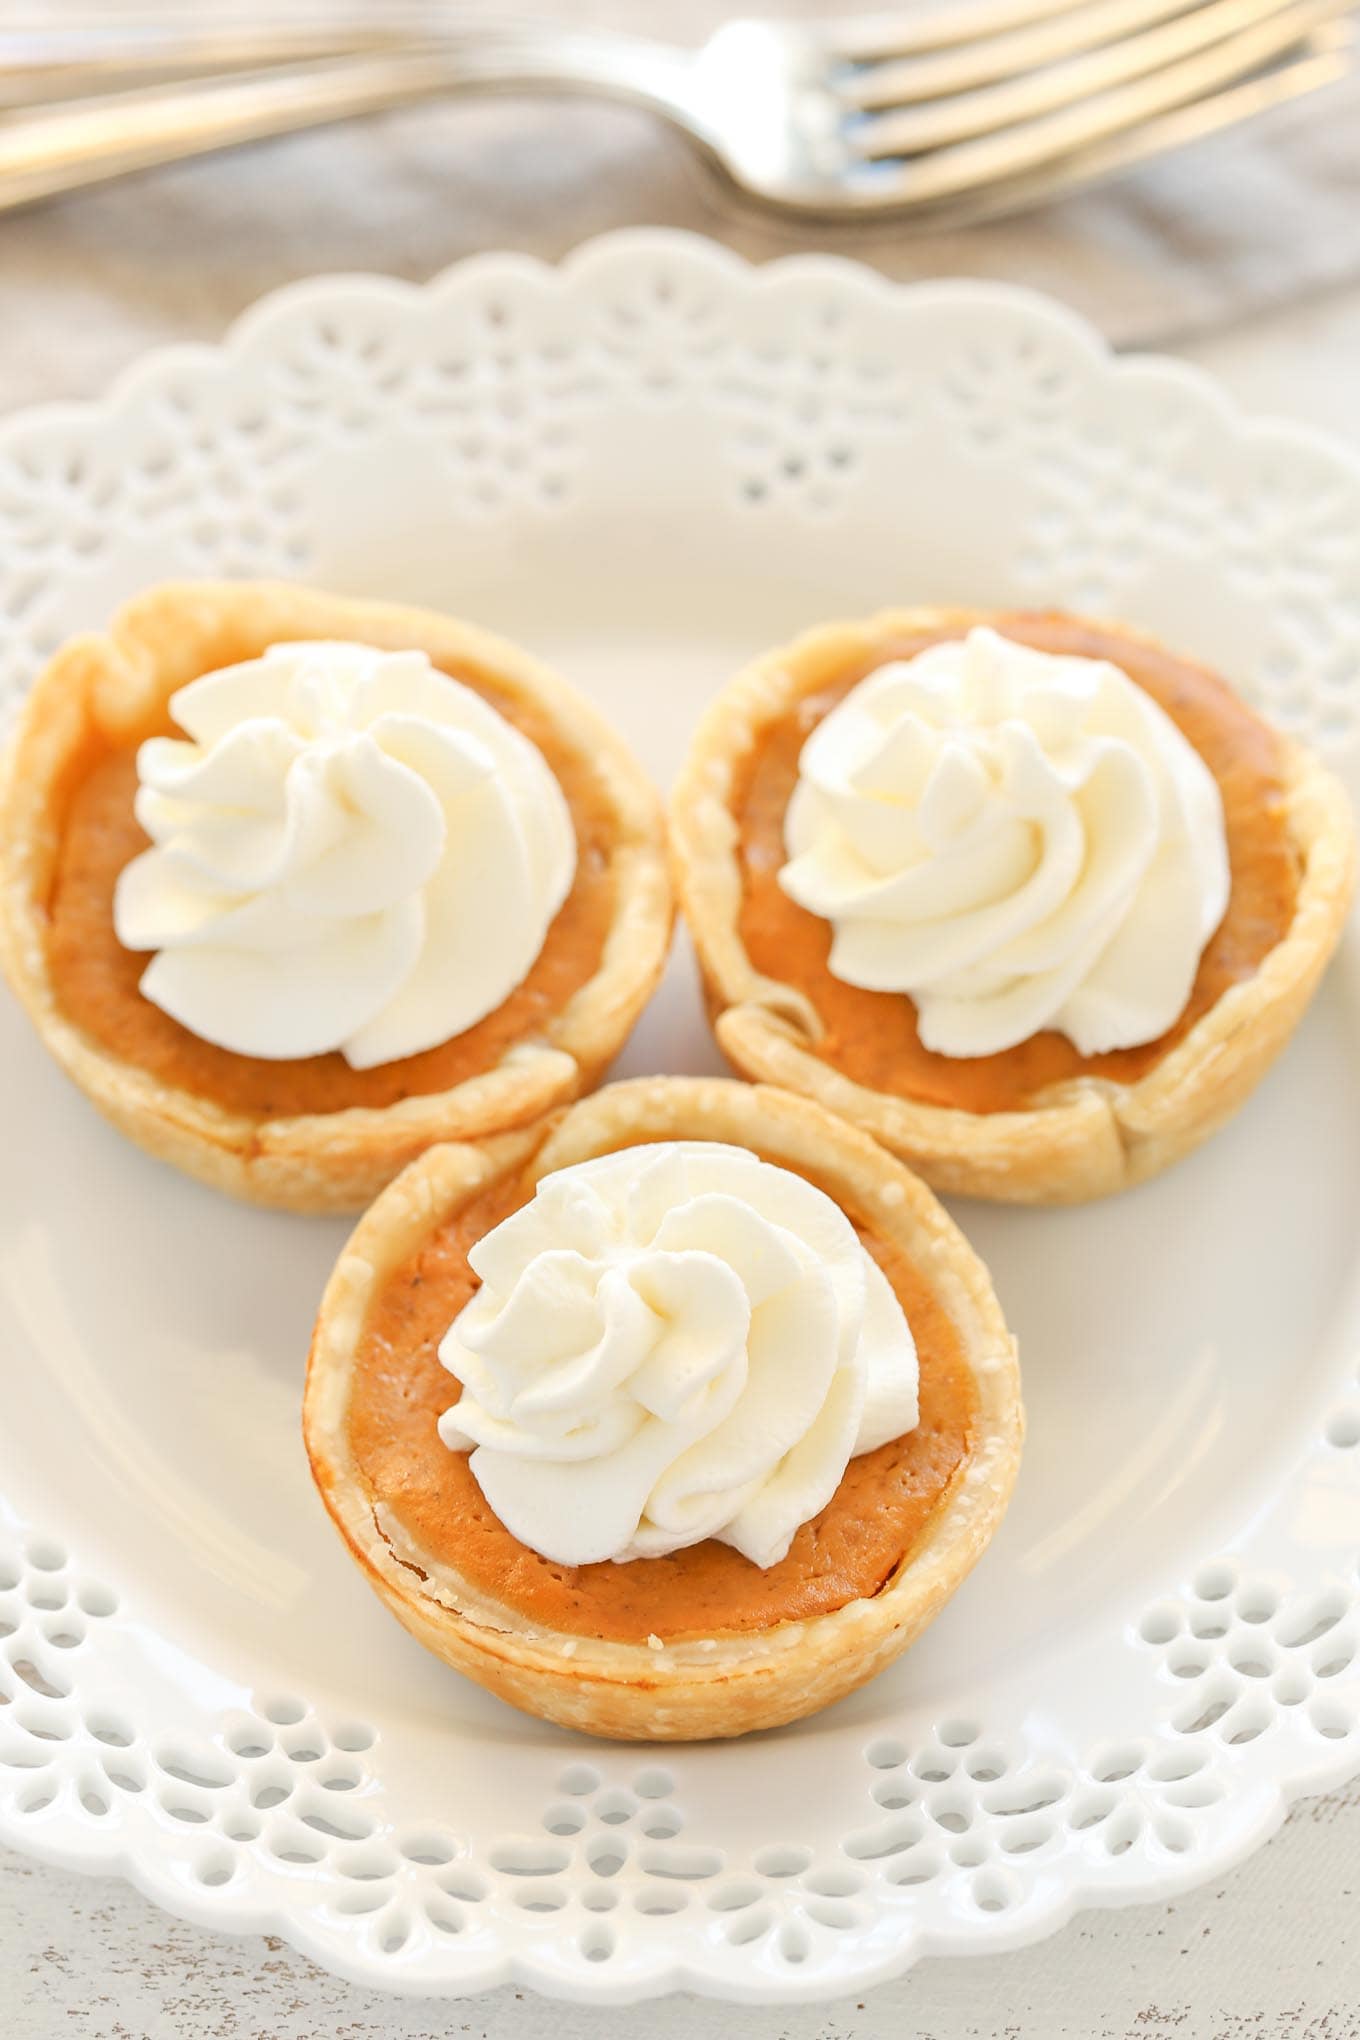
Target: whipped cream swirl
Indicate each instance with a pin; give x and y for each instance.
(1016, 839)
(351, 851)
(675, 1342)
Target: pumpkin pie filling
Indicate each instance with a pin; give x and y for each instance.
(96, 980)
(871, 1037)
(885, 1501)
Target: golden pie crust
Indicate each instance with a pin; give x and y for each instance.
(1082, 1138)
(734, 1681)
(106, 691)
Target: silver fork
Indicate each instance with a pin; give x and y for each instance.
(964, 112)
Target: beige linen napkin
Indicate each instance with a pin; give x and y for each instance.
(1236, 224)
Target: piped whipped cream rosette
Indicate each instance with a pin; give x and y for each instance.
(1015, 839)
(676, 1342)
(350, 850)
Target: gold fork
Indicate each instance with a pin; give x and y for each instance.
(962, 113)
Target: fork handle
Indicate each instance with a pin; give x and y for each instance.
(66, 147)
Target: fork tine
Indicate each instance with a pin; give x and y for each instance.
(993, 107)
(869, 37)
(1008, 55)
(1325, 58)
(948, 173)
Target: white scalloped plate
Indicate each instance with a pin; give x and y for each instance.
(646, 465)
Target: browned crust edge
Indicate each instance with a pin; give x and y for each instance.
(721, 1686)
(109, 685)
(1084, 1139)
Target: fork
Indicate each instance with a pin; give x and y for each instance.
(957, 114)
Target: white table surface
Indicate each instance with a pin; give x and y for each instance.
(1275, 1951)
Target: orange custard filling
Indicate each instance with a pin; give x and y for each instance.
(96, 980)
(871, 1037)
(876, 1518)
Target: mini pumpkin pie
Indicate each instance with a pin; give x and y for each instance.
(294, 885)
(679, 1420)
(1031, 899)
